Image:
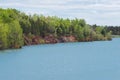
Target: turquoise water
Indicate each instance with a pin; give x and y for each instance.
(98, 60)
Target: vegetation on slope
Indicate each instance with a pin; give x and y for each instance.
(18, 29)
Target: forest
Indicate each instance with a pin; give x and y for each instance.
(115, 29)
(18, 29)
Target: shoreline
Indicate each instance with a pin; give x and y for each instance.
(51, 44)
(51, 39)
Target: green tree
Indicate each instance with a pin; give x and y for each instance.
(15, 36)
(3, 36)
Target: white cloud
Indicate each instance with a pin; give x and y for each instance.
(92, 10)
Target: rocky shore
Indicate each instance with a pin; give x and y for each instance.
(50, 39)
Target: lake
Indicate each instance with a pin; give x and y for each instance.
(99, 60)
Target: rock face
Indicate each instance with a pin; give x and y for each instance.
(50, 39)
(67, 39)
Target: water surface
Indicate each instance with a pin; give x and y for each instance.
(98, 60)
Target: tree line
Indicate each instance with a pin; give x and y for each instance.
(16, 27)
(115, 29)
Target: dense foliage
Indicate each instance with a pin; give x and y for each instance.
(10, 30)
(17, 28)
(115, 29)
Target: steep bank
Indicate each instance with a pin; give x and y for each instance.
(50, 39)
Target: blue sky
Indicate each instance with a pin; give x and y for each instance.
(102, 12)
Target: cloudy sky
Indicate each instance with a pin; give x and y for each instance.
(102, 12)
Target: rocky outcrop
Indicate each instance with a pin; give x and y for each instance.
(67, 39)
(49, 39)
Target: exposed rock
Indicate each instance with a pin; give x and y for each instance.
(50, 39)
(67, 39)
